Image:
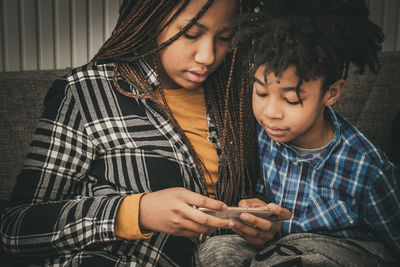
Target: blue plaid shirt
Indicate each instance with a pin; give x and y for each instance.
(350, 189)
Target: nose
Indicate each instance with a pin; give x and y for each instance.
(273, 110)
(205, 53)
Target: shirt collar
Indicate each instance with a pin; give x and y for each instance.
(148, 73)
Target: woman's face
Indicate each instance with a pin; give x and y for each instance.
(188, 61)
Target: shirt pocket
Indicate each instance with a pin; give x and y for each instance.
(327, 211)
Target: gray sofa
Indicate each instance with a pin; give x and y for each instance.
(370, 102)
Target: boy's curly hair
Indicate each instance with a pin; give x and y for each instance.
(321, 38)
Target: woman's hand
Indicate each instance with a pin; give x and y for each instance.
(256, 230)
(171, 211)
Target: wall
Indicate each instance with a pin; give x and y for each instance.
(55, 34)
(386, 13)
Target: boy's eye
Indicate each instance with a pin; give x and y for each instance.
(226, 38)
(261, 94)
(259, 90)
(190, 36)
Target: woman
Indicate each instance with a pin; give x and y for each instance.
(157, 123)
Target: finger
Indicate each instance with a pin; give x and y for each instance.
(253, 202)
(260, 223)
(206, 202)
(251, 230)
(252, 234)
(209, 220)
(195, 199)
(281, 212)
(194, 227)
(244, 228)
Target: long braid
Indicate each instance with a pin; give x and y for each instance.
(228, 132)
(226, 90)
(138, 22)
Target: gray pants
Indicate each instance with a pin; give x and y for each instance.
(294, 250)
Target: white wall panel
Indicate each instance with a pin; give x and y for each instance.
(1, 38)
(29, 40)
(110, 16)
(386, 14)
(95, 26)
(11, 35)
(390, 25)
(79, 35)
(376, 11)
(62, 23)
(48, 34)
(398, 28)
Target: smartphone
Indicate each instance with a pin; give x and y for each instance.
(234, 212)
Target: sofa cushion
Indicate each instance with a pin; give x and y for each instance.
(371, 102)
(21, 104)
(396, 138)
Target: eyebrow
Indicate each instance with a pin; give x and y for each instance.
(201, 26)
(198, 24)
(286, 89)
(258, 81)
(204, 27)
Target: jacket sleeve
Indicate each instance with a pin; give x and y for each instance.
(49, 216)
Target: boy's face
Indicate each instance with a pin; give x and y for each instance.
(285, 119)
(189, 60)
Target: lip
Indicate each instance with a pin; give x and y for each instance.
(196, 76)
(274, 130)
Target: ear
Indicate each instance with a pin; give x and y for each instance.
(334, 92)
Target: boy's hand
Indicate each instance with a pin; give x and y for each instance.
(171, 211)
(258, 231)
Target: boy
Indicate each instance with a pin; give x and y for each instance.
(343, 192)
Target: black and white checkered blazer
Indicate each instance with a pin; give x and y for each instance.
(92, 147)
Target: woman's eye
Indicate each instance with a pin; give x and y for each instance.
(292, 102)
(190, 36)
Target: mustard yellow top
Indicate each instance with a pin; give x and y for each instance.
(127, 221)
(188, 107)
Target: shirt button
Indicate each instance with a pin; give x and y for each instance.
(295, 163)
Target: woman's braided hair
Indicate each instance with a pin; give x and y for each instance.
(227, 100)
(321, 38)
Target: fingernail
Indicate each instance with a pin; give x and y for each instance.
(245, 217)
(224, 207)
(231, 224)
(272, 207)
